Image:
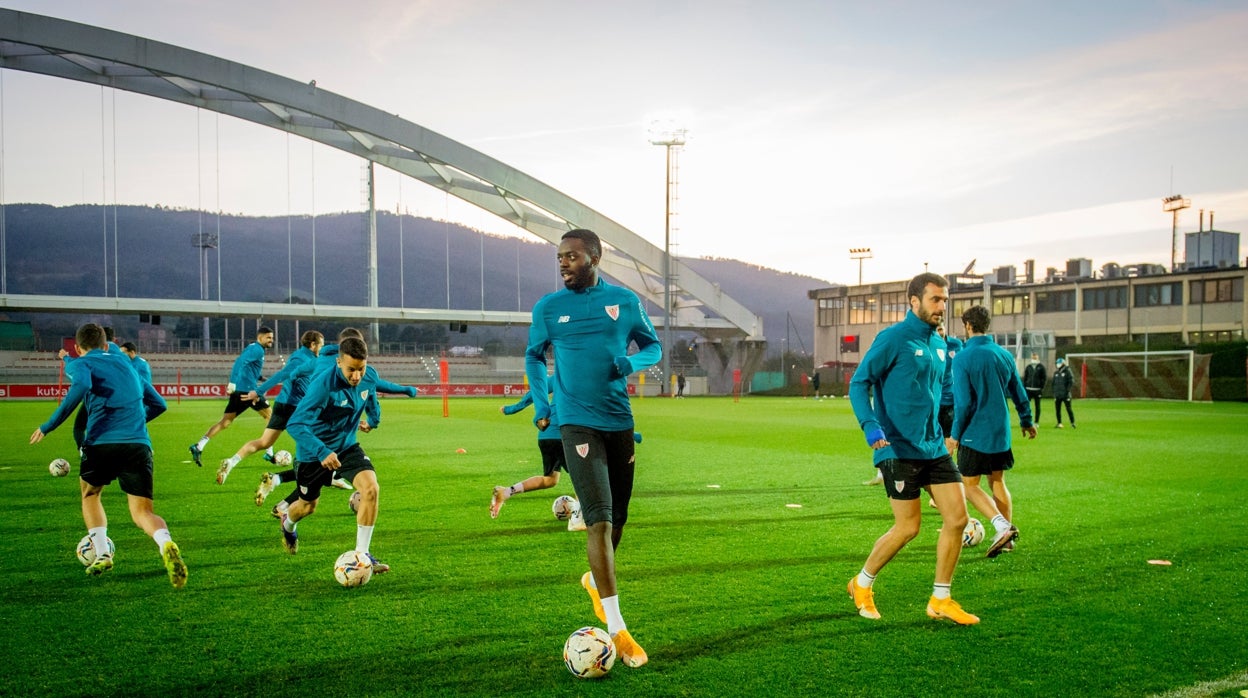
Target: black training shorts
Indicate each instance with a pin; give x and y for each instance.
(311, 476)
(974, 463)
(601, 465)
(904, 479)
(552, 456)
(237, 405)
(129, 464)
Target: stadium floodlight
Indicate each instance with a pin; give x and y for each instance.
(1172, 205)
(860, 253)
(669, 134)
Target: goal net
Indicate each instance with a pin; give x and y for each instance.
(1157, 375)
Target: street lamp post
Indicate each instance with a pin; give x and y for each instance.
(672, 139)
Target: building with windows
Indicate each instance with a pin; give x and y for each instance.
(1139, 303)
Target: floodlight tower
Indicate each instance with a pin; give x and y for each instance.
(860, 253)
(1174, 204)
(672, 137)
(205, 242)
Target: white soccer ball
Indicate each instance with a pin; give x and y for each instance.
(59, 467)
(354, 502)
(86, 553)
(353, 569)
(973, 534)
(589, 653)
(283, 458)
(563, 507)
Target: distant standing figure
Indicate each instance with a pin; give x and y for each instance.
(1063, 380)
(680, 384)
(1034, 378)
(814, 383)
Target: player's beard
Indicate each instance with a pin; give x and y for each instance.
(933, 319)
(579, 280)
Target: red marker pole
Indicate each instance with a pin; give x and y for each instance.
(444, 371)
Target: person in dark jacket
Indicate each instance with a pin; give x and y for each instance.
(1034, 378)
(1063, 381)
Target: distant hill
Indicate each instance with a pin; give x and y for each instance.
(421, 262)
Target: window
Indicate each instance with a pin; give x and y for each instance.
(831, 312)
(862, 310)
(1055, 301)
(893, 306)
(1102, 298)
(958, 306)
(1009, 305)
(1221, 336)
(1149, 295)
(1217, 290)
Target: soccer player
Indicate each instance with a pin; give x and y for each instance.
(952, 346)
(80, 419)
(326, 360)
(116, 446)
(590, 325)
(139, 363)
(984, 377)
(324, 426)
(293, 378)
(895, 393)
(551, 447)
(243, 377)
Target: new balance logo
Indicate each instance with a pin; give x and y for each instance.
(565, 318)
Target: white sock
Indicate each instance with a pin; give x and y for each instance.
(940, 591)
(99, 539)
(288, 525)
(363, 538)
(269, 450)
(865, 579)
(161, 537)
(999, 523)
(277, 479)
(234, 460)
(615, 622)
(201, 443)
(515, 489)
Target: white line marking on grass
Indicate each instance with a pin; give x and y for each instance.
(1207, 688)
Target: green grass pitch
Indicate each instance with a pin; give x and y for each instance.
(731, 590)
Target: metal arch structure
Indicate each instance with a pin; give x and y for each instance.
(60, 48)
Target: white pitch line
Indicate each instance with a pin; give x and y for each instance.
(1207, 688)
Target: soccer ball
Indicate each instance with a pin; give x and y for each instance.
(973, 534)
(59, 467)
(353, 569)
(283, 458)
(563, 507)
(354, 502)
(86, 553)
(589, 653)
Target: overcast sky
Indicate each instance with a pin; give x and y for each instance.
(931, 132)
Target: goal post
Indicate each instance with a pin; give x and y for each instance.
(1157, 375)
